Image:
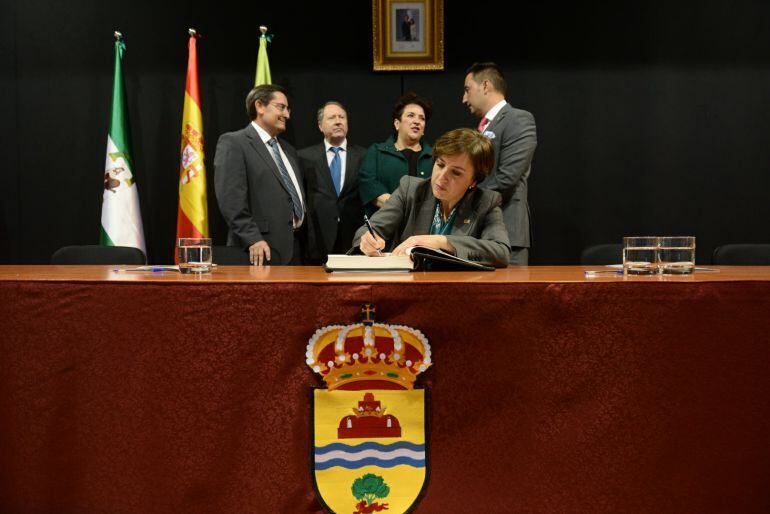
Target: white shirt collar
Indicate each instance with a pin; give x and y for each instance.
(328, 145)
(263, 135)
(490, 115)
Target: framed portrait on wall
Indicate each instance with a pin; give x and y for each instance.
(408, 35)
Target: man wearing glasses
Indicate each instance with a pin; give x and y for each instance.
(258, 183)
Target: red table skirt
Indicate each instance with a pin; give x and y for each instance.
(605, 397)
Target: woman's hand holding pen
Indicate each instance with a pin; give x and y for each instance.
(371, 242)
(371, 245)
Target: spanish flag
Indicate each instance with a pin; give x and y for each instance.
(192, 217)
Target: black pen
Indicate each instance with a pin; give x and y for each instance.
(371, 231)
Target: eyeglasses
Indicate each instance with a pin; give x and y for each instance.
(281, 107)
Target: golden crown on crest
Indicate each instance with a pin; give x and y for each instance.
(368, 355)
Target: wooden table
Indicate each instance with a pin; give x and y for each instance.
(304, 274)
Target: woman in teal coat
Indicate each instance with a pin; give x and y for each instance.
(404, 153)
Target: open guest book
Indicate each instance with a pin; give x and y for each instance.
(417, 258)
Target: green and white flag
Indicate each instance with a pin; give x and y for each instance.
(121, 218)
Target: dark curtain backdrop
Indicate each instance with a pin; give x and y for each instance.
(652, 118)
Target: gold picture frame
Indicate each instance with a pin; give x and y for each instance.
(408, 35)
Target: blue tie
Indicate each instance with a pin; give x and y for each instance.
(296, 203)
(336, 168)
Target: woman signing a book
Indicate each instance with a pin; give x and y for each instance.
(448, 212)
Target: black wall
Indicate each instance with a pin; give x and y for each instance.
(652, 118)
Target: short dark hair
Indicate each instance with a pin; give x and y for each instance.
(324, 106)
(408, 99)
(470, 142)
(490, 71)
(262, 94)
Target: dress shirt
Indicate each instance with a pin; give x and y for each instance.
(490, 115)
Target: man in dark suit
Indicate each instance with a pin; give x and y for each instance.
(514, 137)
(330, 169)
(258, 183)
(406, 27)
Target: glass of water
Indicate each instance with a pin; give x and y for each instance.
(194, 254)
(677, 255)
(640, 255)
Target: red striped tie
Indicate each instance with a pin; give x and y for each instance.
(482, 124)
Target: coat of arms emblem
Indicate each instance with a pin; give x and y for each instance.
(369, 436)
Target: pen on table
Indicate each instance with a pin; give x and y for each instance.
(593, 273)
(371, 231)
(148, 269)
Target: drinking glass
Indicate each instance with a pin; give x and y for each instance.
(194, 254)
(640, 255)
(677, 255)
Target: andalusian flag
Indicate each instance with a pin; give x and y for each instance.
(121, 218)
(192, 216)
(263, 64)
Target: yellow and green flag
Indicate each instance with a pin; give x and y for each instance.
(121, 217)
(263, 64)
(192, 215)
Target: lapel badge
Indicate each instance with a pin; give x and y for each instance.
(369, 423)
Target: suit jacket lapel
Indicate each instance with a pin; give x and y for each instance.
(499, 118)
(466, 216)
(352, 162)
(261, 148)
(425, 208)
(493, 127)
(322, 165)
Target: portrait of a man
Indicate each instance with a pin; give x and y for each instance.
(407, 21)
